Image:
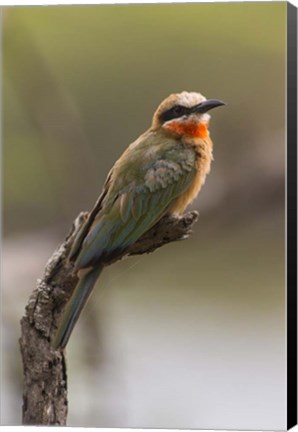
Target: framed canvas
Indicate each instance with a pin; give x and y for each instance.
(107, 319)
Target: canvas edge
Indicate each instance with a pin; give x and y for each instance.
(291, 234)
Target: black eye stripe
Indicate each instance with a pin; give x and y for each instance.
(174, 112)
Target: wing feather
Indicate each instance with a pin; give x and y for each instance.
(140, 203)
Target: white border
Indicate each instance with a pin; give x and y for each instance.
(94, 2)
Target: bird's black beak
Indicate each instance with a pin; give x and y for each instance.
(207, 105)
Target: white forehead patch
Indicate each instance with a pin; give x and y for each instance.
(189, 99)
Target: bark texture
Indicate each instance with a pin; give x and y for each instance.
(44, 370)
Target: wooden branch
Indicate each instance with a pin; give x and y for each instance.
(45, 375)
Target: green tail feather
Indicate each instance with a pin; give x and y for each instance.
(74, 307)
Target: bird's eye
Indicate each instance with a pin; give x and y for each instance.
(178, 110)
(174, 112)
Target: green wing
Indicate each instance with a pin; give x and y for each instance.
(142, 188)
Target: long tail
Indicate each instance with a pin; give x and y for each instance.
(74, 307)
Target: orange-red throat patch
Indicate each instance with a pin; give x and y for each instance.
(190, 129)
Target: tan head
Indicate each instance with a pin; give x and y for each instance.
(185, 114)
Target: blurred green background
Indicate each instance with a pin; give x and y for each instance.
(192, 336)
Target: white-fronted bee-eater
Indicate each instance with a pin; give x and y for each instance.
(160, 173)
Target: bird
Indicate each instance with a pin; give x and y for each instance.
(160, 173)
